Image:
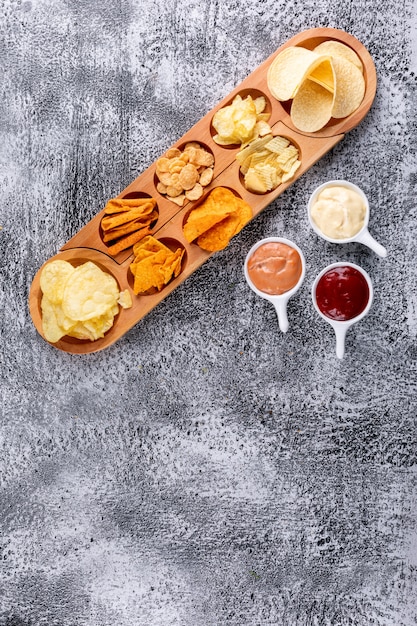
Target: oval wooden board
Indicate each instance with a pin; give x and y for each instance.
(88, 245)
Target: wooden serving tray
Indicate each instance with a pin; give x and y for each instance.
(87, 245)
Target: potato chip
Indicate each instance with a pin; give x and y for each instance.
(51, 328)
(312, 106)
(240, 122)
(337, 49)
(89, 292)
(94, 328)
(289, 69)
(124, 299)
(334, 67)
(59, 320)
(350, 87)
(323, 74)
(53, 279)
(264, 163)
(277, 144)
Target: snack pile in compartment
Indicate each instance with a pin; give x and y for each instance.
(126, 221)
(80, 302)
(182, 174)
(323, 83)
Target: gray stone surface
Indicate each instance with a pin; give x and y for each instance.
(205, 470)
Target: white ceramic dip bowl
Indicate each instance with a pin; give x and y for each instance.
(341, 327)
(279, 301)
(362, 235)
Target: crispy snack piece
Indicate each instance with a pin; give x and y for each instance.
(125, 229)
(129, 240)
(218, 205)
(80, 302)
(217, 219)
(338, 49)
(118, 205)
(312, 107)
(241, 121)
(323, 83)
(126, 221)
(154, 265)
(350, 87)
(182, 173)
(266, 163)
(218, 237)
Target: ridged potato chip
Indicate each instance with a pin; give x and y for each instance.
(267, 162)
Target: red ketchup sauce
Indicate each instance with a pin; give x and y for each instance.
(342, 293)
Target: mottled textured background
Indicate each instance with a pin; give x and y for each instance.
(205, 470)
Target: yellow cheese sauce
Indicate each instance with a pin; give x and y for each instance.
(339, 212)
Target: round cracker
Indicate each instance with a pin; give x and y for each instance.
(312, 107)
(350, 87)
(338, 49)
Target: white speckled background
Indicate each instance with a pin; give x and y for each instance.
(205, 470)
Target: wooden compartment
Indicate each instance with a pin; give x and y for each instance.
(87, 244)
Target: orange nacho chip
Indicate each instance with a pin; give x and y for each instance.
(218, 205)
(216, 220)
(154, 265)
(218, 237)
